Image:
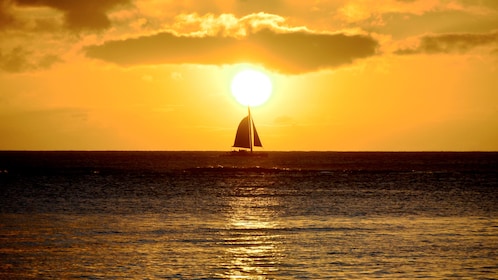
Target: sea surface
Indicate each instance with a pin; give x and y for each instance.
(291, 215)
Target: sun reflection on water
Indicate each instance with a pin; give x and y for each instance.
(253, 243)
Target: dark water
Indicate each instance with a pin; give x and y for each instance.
(199, 215)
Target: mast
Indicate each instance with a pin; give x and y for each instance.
(250, 126)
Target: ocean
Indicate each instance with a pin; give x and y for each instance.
(291, 215)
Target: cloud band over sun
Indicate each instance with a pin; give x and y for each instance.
(289, 52)
(78, 15)
(450, 43)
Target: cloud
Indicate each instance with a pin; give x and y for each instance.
(251, 6)
(492, 4)
(452, 43)
(20, 60)
(78, 15)
(292, 51)
(5, 16)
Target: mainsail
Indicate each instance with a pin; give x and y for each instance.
(244, 133)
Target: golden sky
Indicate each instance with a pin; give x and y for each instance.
(389, 75)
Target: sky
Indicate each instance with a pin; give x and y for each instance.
(347, 75)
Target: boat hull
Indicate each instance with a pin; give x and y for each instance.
(244, 153)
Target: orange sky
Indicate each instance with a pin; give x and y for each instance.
(155, 75)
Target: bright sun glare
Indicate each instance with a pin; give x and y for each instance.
(251, 87)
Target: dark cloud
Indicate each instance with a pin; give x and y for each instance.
(492, 4)
(286, 52)
(21, 60)
(6, 17)
(78, 15)
(451, 43)
(15, 61)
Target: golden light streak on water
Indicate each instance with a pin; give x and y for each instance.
(254, 247)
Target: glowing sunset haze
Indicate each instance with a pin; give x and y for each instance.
(386, 75)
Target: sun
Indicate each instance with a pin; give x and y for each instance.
(251, 87)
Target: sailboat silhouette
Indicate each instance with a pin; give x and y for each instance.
(247, 137)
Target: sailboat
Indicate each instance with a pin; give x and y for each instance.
(247, 137)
